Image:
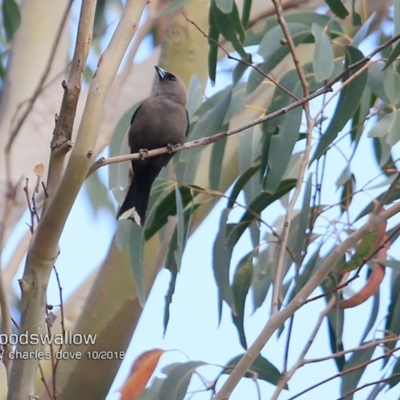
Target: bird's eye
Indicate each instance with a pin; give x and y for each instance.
(172, 78)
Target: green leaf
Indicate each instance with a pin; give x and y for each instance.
(350, 380)
(178, 378)
(276, 52)
(391, 83)
(395, 377)
(360, 117)
(209, 123)
(136, 245)
(384, 126)
(259, 204)
(304, 223)
(335, 319)
(165, 206)
(375, 81)
(222, 253)
(393, 55)
(347, 104)
(394, 134)
(285, 133)
(230, 27)
(172, 262)
(216, 161)
(11, 18)
(363, 31)
(173, 6)
(264, 273)
(180, 231)
(246, 12)
(323, 59)
(260, 366)
(225, 6)
(118, 174)
(240, 288)
(239, 184)
(213, 35)
(392, 326)
(272, 41)
(337, 8)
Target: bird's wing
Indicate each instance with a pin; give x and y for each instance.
(134, 114)
(187, 128)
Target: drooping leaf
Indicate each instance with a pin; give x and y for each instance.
(118, 174)
(240, 183)
(393, 55)
(259, 204)
(175, 386)
(222, 253)
(246, 12)
(363, 31)
(240, 288)
(323, 59)
(229, 26)
(274, 52)
(350, 380)
(166, 206)
(11, 17)
(337, 8)
(260, 366)
(347, 104)
(141, 372)
(395, 377)
(216, 161)
(225, 6)
(391, 84)
(213, 34)
(174, 257)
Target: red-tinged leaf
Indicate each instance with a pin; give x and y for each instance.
(373, 282)
(365, 249)
(141, 372)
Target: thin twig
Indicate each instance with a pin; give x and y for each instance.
(345, 372)
(239, 60)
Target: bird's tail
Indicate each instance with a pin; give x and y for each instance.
(136, 201)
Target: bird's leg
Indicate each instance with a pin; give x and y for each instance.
(142, 153)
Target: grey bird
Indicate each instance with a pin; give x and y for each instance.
(160, 120)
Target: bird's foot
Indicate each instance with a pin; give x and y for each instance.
(142, 153)
(170, 147)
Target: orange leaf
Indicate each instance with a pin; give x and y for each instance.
(141, 372)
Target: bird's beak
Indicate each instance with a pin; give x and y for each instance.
(161, 72)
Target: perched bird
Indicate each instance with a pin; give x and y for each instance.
(160, 120)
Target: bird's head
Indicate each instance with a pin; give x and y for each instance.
(170, 86)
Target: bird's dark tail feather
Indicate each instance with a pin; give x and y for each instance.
(137, 198)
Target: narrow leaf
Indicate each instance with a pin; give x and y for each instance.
(136, 246)
(393, 55)
(350, 380)
(261, 367)
(178, 379)
(222, 253)
(347, 104)
(323, 60)
(11, 17)
(240, 288)
(141, 372)
(337, 8)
